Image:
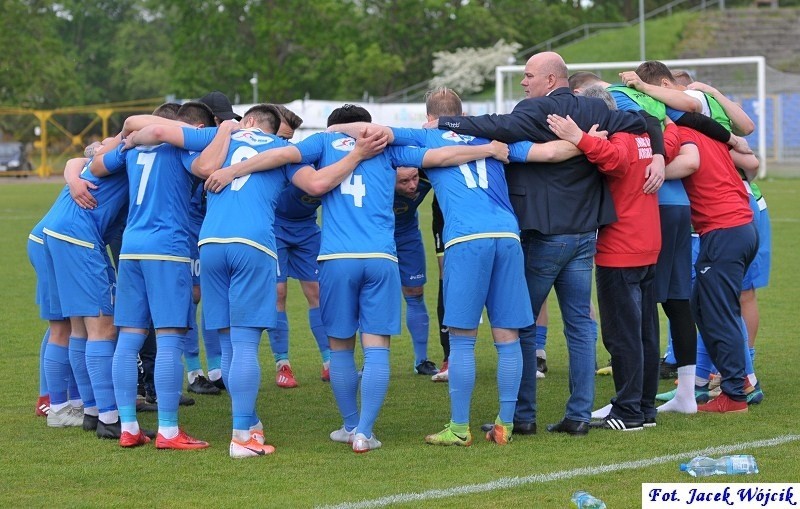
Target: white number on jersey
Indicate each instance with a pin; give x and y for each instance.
(145, 159)
(354, 186)
(480, 165)
(239, 155)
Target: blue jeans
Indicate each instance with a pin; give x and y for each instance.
(563, 262)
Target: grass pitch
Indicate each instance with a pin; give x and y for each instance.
(71, 468)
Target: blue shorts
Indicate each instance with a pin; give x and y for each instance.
(83, 283)
(238, 286)
(356, 293)
(486, 272)
(674, 266)
(411, 258)
(757, 275)
(298, 248)
(153, 289)
(38, 260)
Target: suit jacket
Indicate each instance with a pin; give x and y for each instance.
(553, 198)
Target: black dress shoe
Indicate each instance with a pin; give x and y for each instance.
(218, 383)
(569, 426)
(520, 428)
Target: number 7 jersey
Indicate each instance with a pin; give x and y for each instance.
(358, 216)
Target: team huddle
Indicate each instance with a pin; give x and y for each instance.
(576, 179)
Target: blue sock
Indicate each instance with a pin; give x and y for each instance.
(462, 376)
(226, 352)
(57, 370)
(344, 384)
(99, 360)
(125, 373)
(318, 330)
(244, 375)
(752, 352)
(213, 350)
(541, 337)
(374, 385)
(418, 324)
(191, 350)
(72, 385)
(509, 375)
(704, 366)
(42, 377)
(670, 353)
(77, 359)
(749, 369)
(279, 338)
(169, 377)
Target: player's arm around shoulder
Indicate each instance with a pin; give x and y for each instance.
(263, 161)
(213, 156)
(98, 164)
(611, 156)
(455, 155)
(318, 182)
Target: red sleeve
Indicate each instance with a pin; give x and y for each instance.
(672, 142)
(611, 156)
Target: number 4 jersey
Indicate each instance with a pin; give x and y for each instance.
(473, 196)
(357, 217)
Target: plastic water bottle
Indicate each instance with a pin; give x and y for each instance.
(583, 500)
(703, 466)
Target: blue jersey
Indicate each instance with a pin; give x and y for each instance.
(61, 203)
(295, 206)
(357, 217)
(406, 218)
(197, 209)
(159, 191)
(474, 196)
(250, 199)
(90, 227)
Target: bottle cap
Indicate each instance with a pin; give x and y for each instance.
(684, 466)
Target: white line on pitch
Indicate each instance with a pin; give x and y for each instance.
(511, 482)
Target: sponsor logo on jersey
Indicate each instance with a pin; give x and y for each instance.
(310, 200)
(457, 138)
(254, 138)
(400, 207)
(344, 144)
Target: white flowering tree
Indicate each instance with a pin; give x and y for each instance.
(466, 70)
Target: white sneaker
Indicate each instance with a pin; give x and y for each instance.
(363, 444)
(343, 436)
(249, 449)
(442, 375)
(539, 374)
(66, 417)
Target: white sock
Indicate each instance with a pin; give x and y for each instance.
(130, 427)
(602, 413)
(109, 417)
(168, 431)
(215, 374)
(684, 401)
(77, 403)
(541, 354)
(282, 362)
(700, 381)
(241, 435)
(192, 375)
(752, 378)
(58, 407)
(259, 426)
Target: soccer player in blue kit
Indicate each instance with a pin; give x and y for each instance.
(481, 238)
(410, 191)
(359, 280)
(154, 278)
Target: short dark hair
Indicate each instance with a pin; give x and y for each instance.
(653, 72)
(266, 116)
(347, 114)
(196, 113)
(291, 118)
(443, 102)
(583, 79)
(167, 110)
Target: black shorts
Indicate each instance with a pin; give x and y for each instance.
(674, 267)
(437, 227)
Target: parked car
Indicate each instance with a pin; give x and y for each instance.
(13, 157)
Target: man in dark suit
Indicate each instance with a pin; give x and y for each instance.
(559, 206)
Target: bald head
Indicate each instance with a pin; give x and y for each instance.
(544, 72)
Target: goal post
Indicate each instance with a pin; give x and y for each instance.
(741, 77)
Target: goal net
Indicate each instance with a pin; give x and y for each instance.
(743, 79)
